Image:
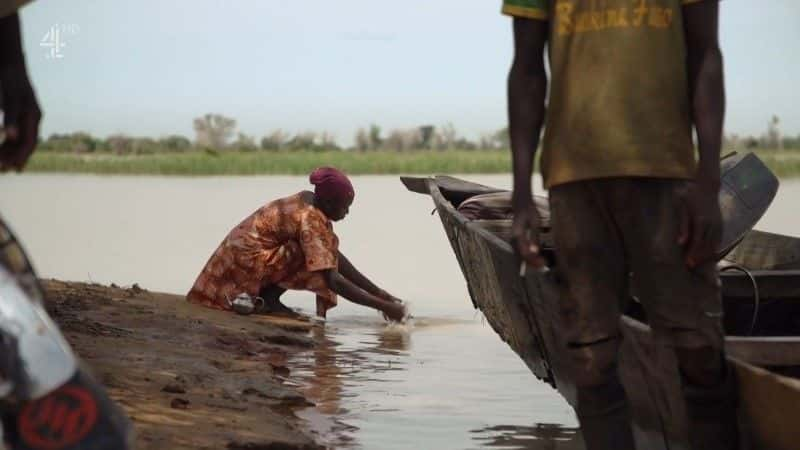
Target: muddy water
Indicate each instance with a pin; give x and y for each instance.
(438, 383)
(444, 382)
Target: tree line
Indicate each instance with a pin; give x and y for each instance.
(217, 133)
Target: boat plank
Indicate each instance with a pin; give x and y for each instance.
(649, 372)
(513, 290)
(507, 317)
(767, 401)
(772, 284)
(762, 250)
(765, 351)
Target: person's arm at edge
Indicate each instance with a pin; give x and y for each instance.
(527, 89)
(21, 113)
(707, 95)
(11, 40)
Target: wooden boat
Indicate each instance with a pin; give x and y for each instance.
(761, 291)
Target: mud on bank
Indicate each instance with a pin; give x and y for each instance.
(188, 377)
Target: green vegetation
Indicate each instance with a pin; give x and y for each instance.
(274, 163)
(784, 163)
(216, 132)
(219, 148)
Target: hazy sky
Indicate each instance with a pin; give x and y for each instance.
(149, 67)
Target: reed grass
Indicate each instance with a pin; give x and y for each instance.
(784, 163)
(274, 163)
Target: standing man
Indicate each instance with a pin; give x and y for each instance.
(628, 81)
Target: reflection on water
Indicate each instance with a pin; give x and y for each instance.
(324, 371)
(358, 378)
(542, 436)
(327, 366)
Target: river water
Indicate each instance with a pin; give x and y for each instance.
(445, 381)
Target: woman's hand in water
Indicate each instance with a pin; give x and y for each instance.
(395, 312)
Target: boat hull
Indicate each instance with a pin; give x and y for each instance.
(523, 311)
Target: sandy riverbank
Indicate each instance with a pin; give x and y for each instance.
(189, 377)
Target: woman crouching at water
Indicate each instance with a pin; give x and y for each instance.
(289, 243)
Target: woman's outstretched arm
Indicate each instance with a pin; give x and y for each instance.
(349, 271)
(349, 290)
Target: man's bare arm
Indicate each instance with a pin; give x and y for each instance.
(527, 89)
(706, 83)
(701, 228)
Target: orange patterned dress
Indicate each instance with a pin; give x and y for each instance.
(287, 242)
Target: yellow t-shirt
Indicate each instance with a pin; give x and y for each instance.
(619, 93)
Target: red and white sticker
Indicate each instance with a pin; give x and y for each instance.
(58, 420)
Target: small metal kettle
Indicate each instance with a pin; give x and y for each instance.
(244, 304)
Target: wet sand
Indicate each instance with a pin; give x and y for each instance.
(189, 377)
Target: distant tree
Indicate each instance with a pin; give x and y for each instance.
(362, 142)
(53, 143)
(245, 143)
(486, 141)
(214, 131)
(403, 140)
(773, 137)
(175, 143)
(393, 141)
(327, 141)
(751, 143)
(465, 144)
(274, 141)
(426, 133)
(445, 137)
(302, 141)
(119, 144)
(413, 139)
(144, 145)
(495, 140)
(731, 141)
(375, 139)
(502, 139)
(78, 142)
(82, 142)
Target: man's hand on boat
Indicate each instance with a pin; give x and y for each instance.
(525, 235)
(701, 222)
